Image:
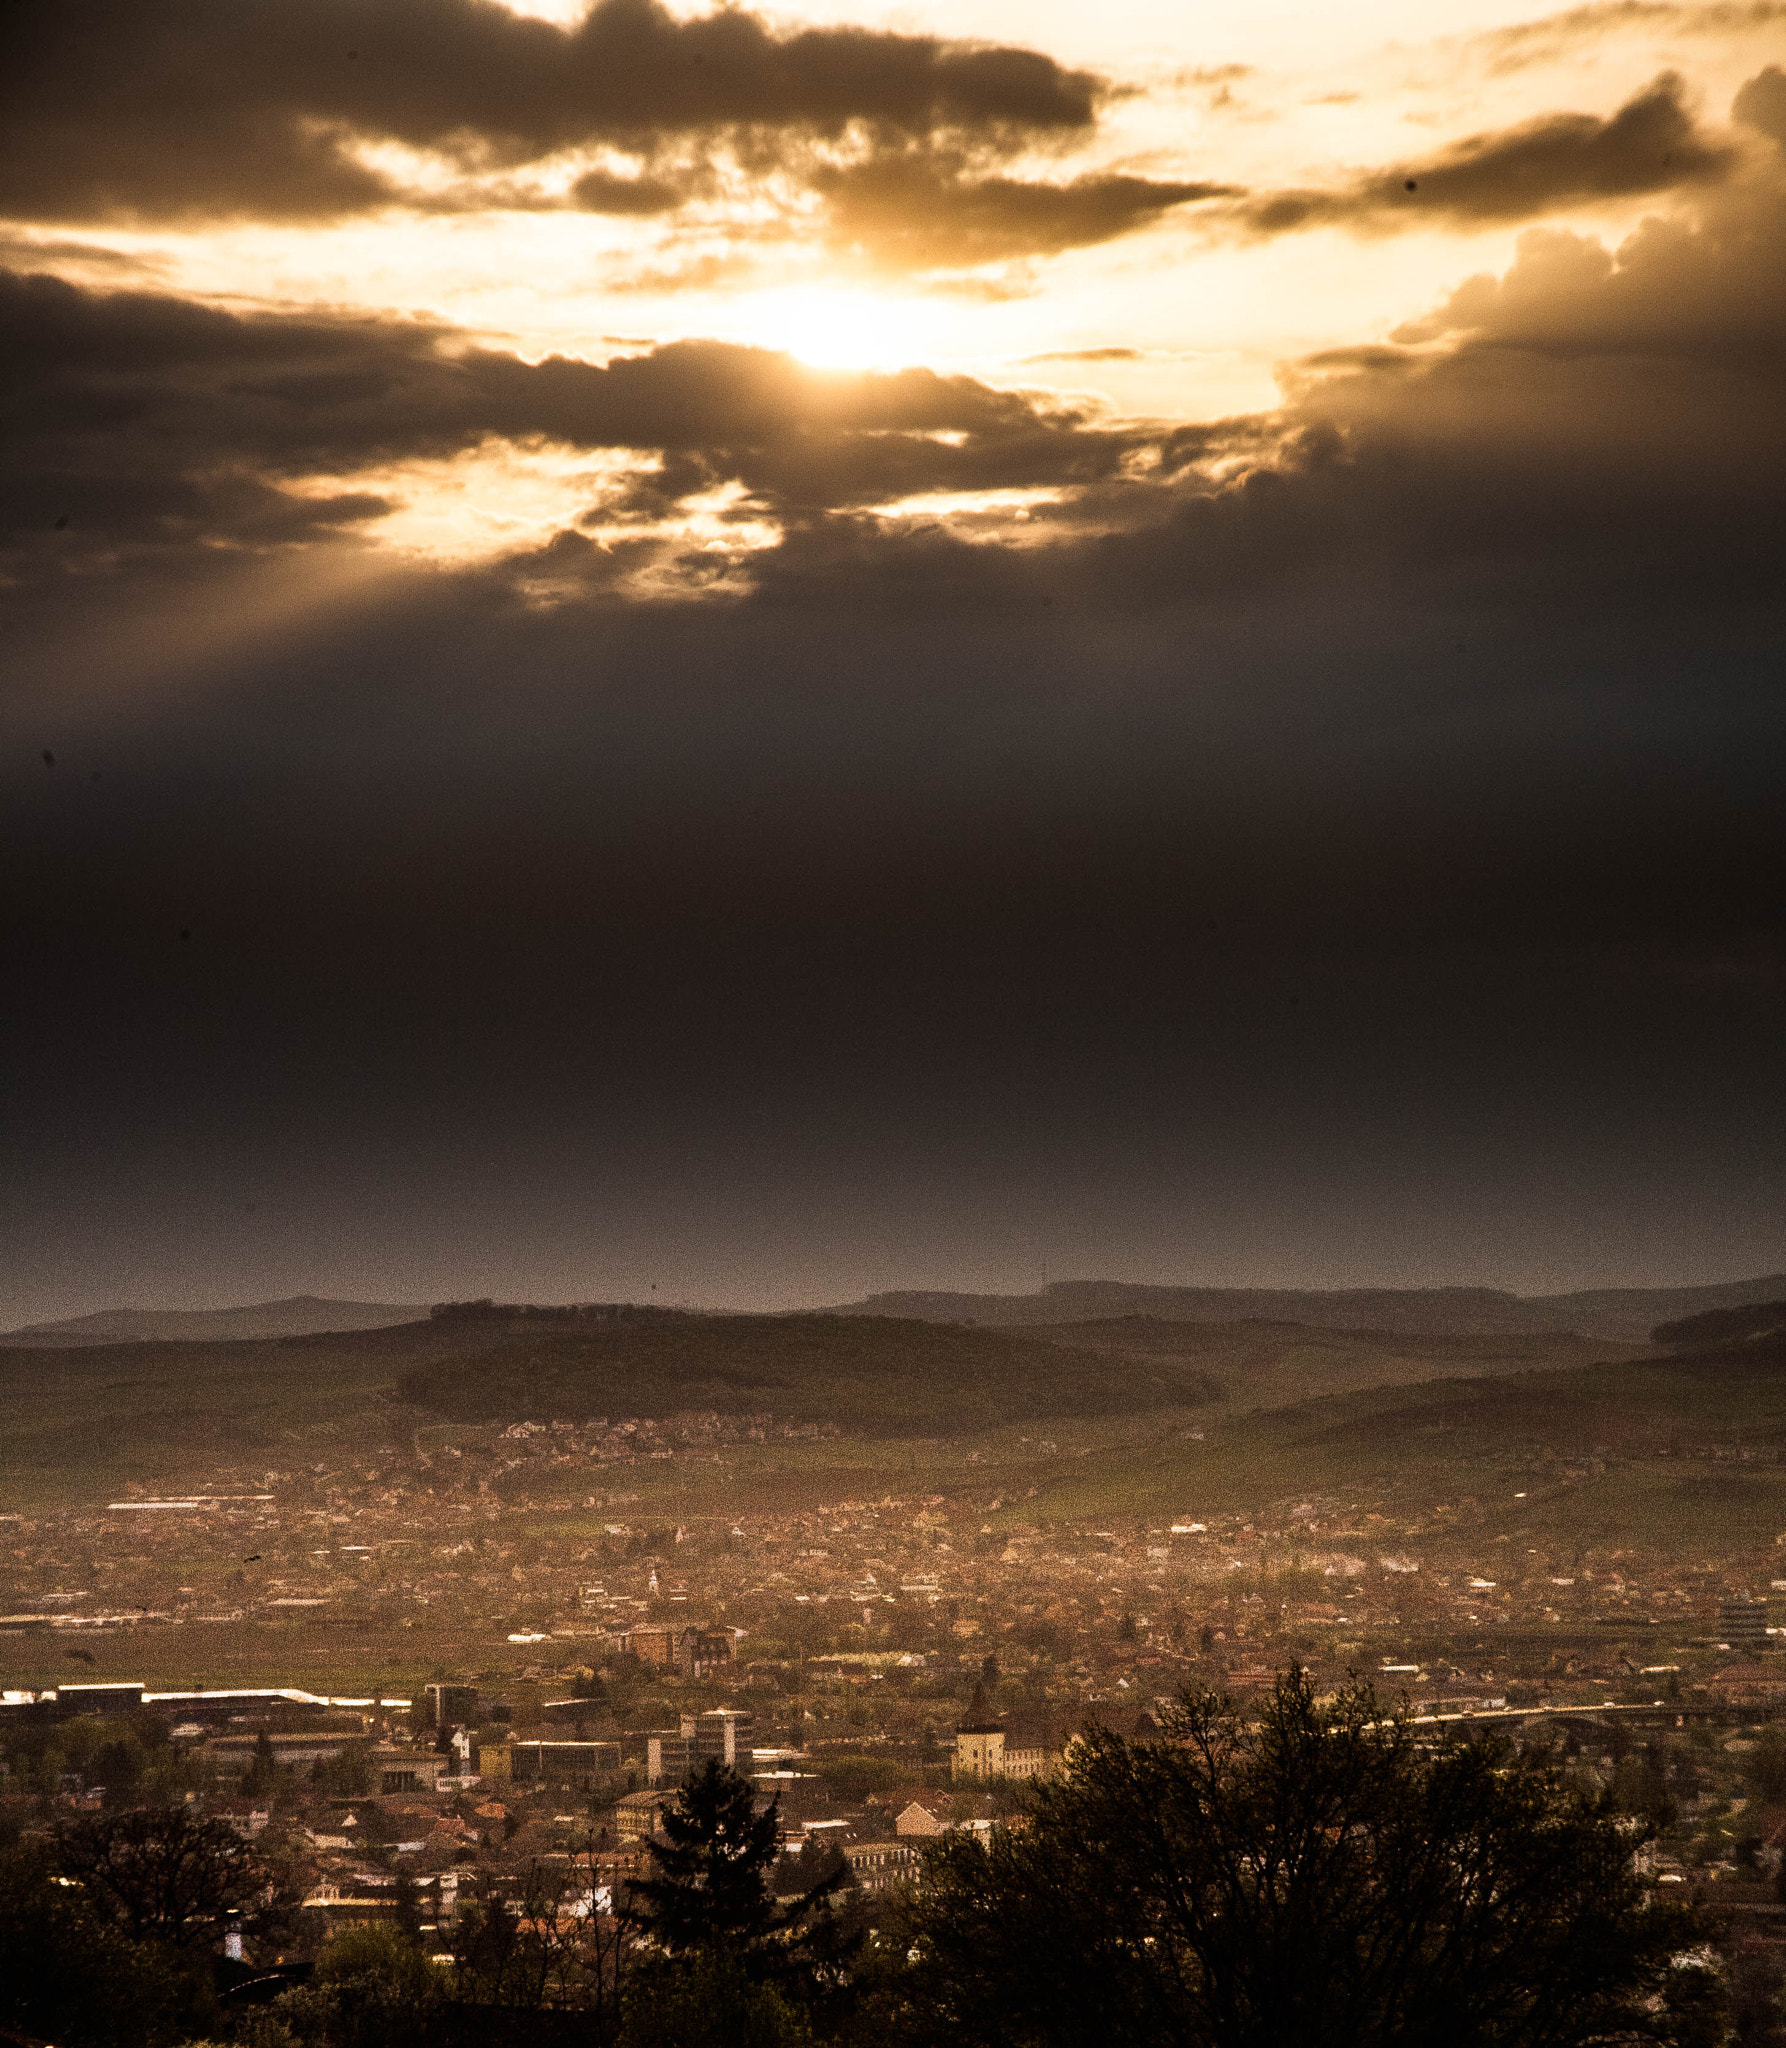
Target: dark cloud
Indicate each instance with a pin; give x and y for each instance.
(928, 212)
(160, 426)
(603, 192)
(1592, 431)
(1585, 421)
(1761, 104)
(1651, 144)
(125, 109)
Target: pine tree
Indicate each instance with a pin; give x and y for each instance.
(710, 1883)
(710, 1887)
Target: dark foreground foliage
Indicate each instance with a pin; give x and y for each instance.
(1311, 1875)
(1308, 1872)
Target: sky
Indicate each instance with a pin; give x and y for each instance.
(743, 657)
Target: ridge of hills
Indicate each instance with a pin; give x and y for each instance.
(1266, 1364)
(1583, 1431)
(1625, 1313)
(149, 1411)
(300, 1315)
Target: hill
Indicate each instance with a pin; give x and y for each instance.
(1263, 1364)
(1658, 1447)
(1723, 1326)
(302, 1315)
(1625, 1313)
(878, 1375)
(76, 1420)
(1282, 1406)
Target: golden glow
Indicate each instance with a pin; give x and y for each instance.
(966, 504)
(509, 497)
(1172, 322)
(492, 500)
(838, 329)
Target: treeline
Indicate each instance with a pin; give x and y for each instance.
(1311, 1872)
(486, 1310)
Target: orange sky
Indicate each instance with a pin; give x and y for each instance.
(1184, 312)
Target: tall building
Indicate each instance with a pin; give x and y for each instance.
(1742, 1623)
(454, 1705)
(979, 1752)
(723, 1733)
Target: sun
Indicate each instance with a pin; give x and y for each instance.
(836, 329)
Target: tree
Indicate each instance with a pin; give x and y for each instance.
(711, 1887)
(709, 2002)
(262, 1774)
(527, 1951)
(162, 1874)
(372, 1988)
(1303, 1873)
(65, 1975)
(568, 1938)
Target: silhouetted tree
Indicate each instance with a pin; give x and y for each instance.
(523, 1951)
(162, 1874)
(68, 1976)
(1306, 1873)
(262, 1774)
(710, 1890)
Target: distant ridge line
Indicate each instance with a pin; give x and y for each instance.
(300, 1315)
(1627, 1313)
(1617, 1312)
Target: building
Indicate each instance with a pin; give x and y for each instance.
(917, 1819)
(668, 1757)
(454, 1705)
(1742, 1623)
(979, 1752)
(722, 1733)
(398, 1768)
(99, 1699)
(691, 1652)
(879, 1866)
(1750, 1685)
(217, 1707)
(559, 1763)
(1029, 1752)
(989, 1750)
(234, 1755)
(635, 1816)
